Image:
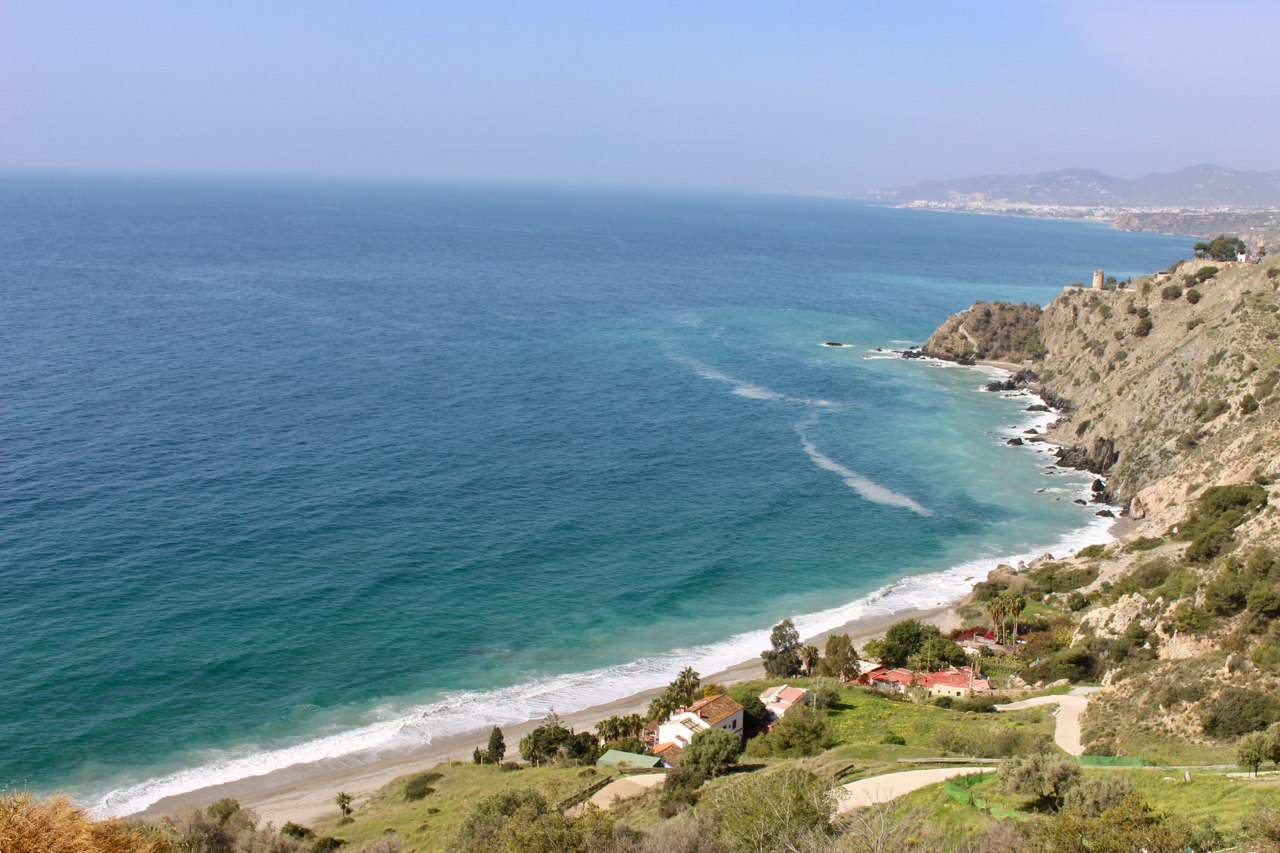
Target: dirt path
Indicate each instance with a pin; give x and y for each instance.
(882, 789)
(1066, 730)
(622, 789)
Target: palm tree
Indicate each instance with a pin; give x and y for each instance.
(663, 706)
(686, 685)
(609, 729)
(808, 657)
(633, 726)
(996, 610)
(1016, 604)
(344, 803)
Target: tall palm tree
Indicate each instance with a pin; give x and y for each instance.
(343, 801)
(996, 610)
(1016, 604)
(633, 726)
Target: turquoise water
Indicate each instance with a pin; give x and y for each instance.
(302, 470)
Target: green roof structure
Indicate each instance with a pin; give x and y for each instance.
(631, 759)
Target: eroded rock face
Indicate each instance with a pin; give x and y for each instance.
(1112, 621)
(1097, 459)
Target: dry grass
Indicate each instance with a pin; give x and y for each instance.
(29, 825)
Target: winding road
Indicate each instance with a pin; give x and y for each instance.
(890, 786)
(1066, 731)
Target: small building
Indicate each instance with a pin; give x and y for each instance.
(668, 753)
(778, 700)
(893, 680)
(619, 758)
(715, 712)
(954, 681)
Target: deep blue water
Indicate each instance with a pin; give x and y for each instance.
(290, 470)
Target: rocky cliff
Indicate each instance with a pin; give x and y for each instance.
(1170, 383)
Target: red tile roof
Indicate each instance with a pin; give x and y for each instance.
(715, 708)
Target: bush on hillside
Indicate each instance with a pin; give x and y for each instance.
(1172, 291)
(1219, 511)
(712, 751)
(802, 731)
(1238, 711)
(1193, 296)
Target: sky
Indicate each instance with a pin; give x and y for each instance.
(751, 96)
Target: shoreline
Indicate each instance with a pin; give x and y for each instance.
(304, 793)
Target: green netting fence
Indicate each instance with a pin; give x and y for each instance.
(957, 788)
(1117, 761)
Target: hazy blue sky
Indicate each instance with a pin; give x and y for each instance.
(737, 95)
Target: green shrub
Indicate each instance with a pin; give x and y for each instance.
(1173, 291)
(1193, 296)
(1192, 323)
(1052, 578)
(1237, 711)
(712, 751)
(1219, 511)
(802, 731)
(1143, 328)
(1143, 543)
(893, 739)
(1248, 404)
(1090, 552)
(1206, 273)
(418, 786)
(296, 830)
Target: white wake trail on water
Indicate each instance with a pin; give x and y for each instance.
(866, 488)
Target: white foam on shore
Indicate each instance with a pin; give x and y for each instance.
(394, 730)
(398, 731)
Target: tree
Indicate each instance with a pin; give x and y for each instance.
(1273, 744)
(939, 653)
(711, 751)
(802, 731)
(553, 743)
(783, 659)
(1048, 777)
(685, 687)
(903, 640)
(1129, 827)
(1097, 794)
(1221, 248)
(343, 801)
(497, 746)
(777, 812)
(523, 820)
(662, 707)
(1016, 604)
(1252, 750)
(808, 657)
(754, 714)
(840, 659)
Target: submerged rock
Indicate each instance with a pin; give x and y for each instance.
(1015, 442)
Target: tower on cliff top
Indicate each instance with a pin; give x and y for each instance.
(1097, 279)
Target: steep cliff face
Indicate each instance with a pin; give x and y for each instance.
(1174, 378)
(1170, 385)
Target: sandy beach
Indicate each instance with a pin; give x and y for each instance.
(304, 793)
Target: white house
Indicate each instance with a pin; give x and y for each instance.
(716, 712)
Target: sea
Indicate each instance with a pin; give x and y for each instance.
(294, 470)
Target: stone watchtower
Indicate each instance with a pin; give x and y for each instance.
(1097, 279)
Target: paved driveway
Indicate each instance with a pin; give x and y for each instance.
(882, 789)
(1066, 730)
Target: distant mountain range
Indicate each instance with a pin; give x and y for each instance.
(1195, 186)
